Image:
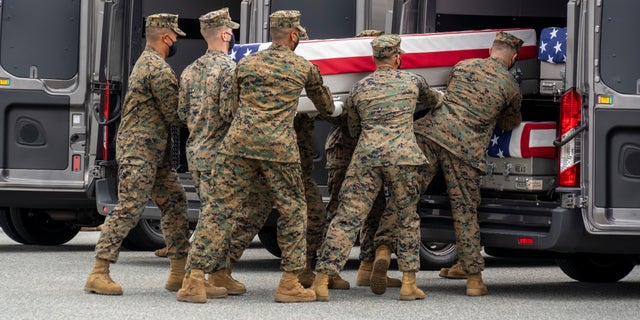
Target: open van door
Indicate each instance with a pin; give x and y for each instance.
(612, 164)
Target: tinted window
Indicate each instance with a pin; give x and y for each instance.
(40, 39)
(620, 46)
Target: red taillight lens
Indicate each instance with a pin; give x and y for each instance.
(570, 117)
(105, 133)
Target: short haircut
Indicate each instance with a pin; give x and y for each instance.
(502, 46)
(154, 33)
(207, 33)
(280, 33)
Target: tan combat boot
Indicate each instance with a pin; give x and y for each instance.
(214, 292)
(176, 274)
(409, 290)
(307, 276)
(321, 286)
(193, 289)
(363, 278)
(99, 280)
(454, 272)
(290, 290)
(380, 266)
(475, 286)
(162, 252)
(338, 283)
(222, 278)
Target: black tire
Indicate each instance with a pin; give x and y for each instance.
(36, 227)
(436, 255)
(7, 226)
(145, 236)
(269, 238)
(596, 267)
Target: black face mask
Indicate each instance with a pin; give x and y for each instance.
(399, 63)
(295, 44)
(172, 50)
(232, 42)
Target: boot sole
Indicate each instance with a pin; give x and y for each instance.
(172, 288)
(411, 297)
(378, 282)
(289, 299)
(216, 296)
(457, 277)
(88, 290)
(192, 300)
(236, 293)
(363, 283)
(476, 292)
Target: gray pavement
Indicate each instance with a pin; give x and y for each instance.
(39, 282)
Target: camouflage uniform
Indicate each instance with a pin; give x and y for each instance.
(207, 103)
(454, 137)
(260, 147)
(143, 153)
(339, 149)
(380, 112)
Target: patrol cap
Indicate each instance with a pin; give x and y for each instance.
(369, 33)
(386, 45)
(509, 39)
(288, 19)
(164, 20)
(216, 19)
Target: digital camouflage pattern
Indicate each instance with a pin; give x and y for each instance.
(304, 126)
(206, 106)
(509, 40)
(218, 18)
(287, 19)
(260, 147)
(386, 45)
(480, 93)
(383, 118)
(463, 187)
(144, 158)
(369, 33)
(269, 85)
(164, 20)
(380, 111)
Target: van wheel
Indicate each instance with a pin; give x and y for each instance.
(269, 238)
(36, 227)
(596, 267)
(145, 236)
(7, 226)
(436, 255)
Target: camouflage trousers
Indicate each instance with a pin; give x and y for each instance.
(359, 190)
(138, 183)
(316, 214)
(374, 232)
(234, 179)
(463, 187)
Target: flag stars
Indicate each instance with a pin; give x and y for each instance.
(554, 33)
(558, 47)
(494, 140)
(233, 54)
(543, 47)
(248, 52)
(500, 153)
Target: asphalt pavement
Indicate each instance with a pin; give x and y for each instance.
(38, 282)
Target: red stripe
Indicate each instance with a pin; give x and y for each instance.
(410, 60)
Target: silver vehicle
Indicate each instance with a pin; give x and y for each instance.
(60, 93)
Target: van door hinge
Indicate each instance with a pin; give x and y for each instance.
(570, 201)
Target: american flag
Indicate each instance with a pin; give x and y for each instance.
(528, 140)
(353, 55)
(553, 45)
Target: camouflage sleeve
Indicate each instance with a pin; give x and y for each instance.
(427, 97)
(353, 118)
(183, 101)
(228, 93)
(511, 117)
(319, 94)
(164, 86)
(336, 121)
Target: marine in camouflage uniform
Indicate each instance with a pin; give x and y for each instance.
(339, 149)
(380, 111)
(480, 94)
(260, 147)
(143, 153)
(206, 105)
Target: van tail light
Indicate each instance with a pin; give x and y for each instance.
(570, 117)
(105, 113)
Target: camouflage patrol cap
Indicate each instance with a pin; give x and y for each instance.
(369, 33)
(386, 45)
(287, 19)
(509, 39)
(164, 20)
(216, 19)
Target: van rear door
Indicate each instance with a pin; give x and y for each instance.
(612, 164)
(43, 85)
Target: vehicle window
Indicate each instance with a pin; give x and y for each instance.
(40, 39)
(619, 46)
